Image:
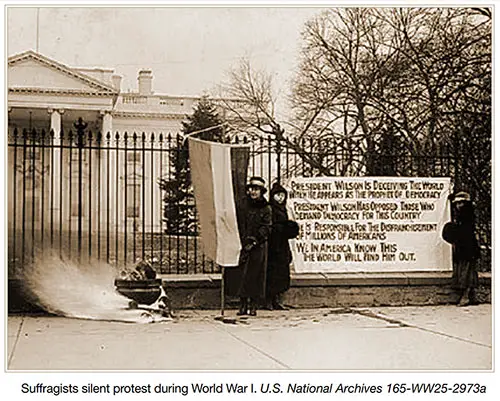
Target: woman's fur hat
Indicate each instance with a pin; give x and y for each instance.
(257, 182)
(461, 197)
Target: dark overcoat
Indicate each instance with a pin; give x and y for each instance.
(280, 255)
(256, 228)
(461, 234)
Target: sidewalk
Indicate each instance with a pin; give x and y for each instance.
(379, 338)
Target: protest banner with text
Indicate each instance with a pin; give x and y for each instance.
(370, 224)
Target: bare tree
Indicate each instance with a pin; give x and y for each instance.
(440, 49)
(249, 103)
(374, 81)
(368, 74)
(343, 68)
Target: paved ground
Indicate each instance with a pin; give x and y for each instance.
(383, 338)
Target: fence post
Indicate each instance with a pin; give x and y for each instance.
(278, 131)
(80, 132)
(13, 257)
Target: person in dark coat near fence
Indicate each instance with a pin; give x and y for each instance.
(279, 254)
(256, 228)
(460, 232)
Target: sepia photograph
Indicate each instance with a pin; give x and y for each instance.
(249, 188)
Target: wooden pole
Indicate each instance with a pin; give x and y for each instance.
(223, 299)
(222, 295)
(222, 292)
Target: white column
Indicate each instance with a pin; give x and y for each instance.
(107, 123)
(55, 123)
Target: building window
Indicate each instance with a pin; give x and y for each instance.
(31, 199)
(75, 201)
(134, 157)
(133, 200)
(75, 154)
(31, 205)
(33, 153)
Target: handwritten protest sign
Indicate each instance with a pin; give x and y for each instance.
(370, 224)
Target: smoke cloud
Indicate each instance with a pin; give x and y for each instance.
(81, 290)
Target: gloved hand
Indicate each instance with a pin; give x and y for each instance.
(249, 244)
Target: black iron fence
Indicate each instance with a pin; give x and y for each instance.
(91, 196)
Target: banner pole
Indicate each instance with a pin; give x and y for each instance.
(222, 292)
(222, 296)
(223, 300)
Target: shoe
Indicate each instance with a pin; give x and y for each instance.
(278, 306)
(243, 307)
(465, 297)
(252, 308)
(473, 300)
(242, 311)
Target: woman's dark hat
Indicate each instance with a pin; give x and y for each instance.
(257, 182)
(277, 188)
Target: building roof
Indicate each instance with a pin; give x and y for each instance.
(64, 69)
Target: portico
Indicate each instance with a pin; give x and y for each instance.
(44, 94)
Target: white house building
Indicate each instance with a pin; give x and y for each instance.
(115, 190)
(43, 93)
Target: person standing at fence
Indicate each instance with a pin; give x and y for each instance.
(279, 254)
(460, 232)
(253, 257)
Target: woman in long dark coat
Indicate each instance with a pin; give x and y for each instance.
(461, 234)
(279, 255)
(256, 228)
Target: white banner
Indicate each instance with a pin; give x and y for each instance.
(370, 224)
